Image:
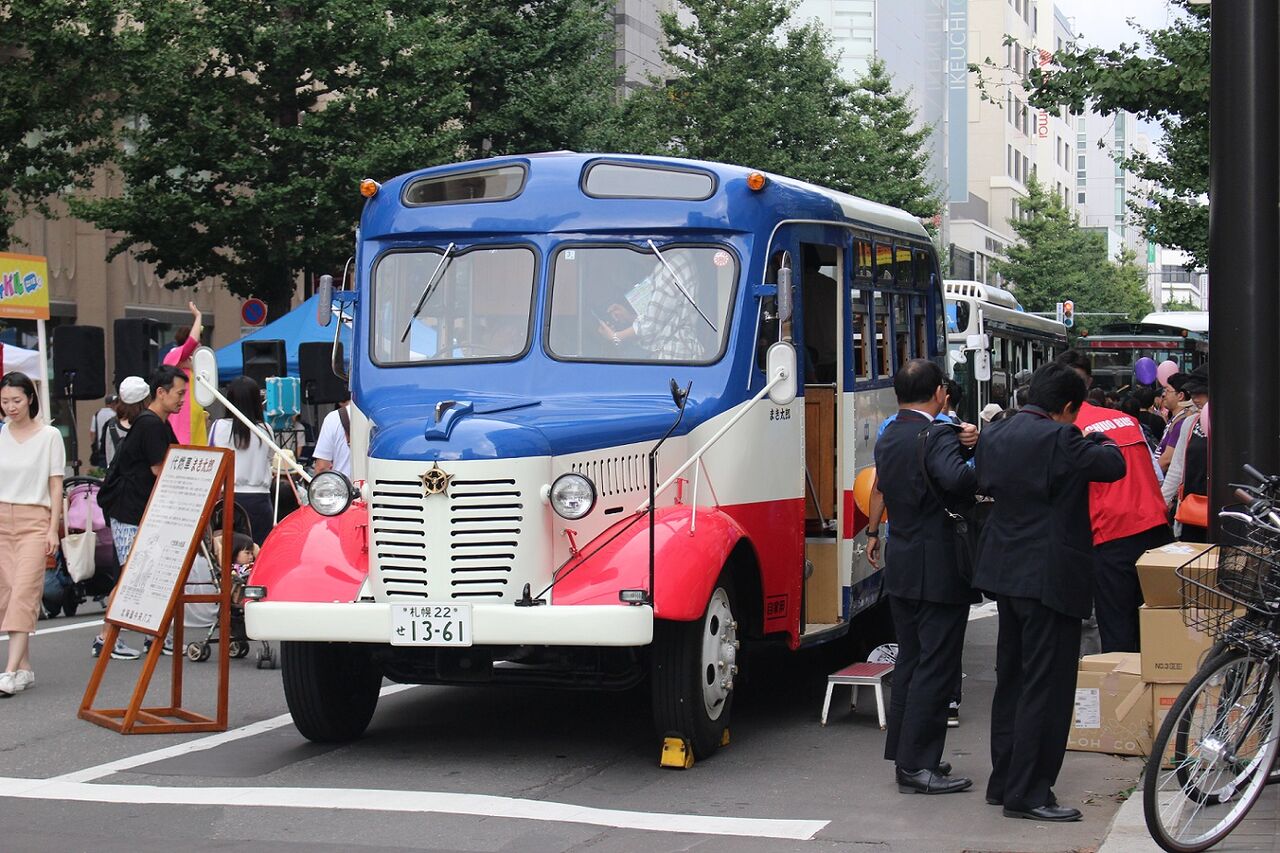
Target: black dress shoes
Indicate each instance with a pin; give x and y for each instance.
(930, 782)
(1054, 813)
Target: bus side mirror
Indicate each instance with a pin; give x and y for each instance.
(786, 299)
(204, 376)
(324, 304)
(982, 365)
(782, 366)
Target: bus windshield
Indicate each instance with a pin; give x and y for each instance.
(478, 308)
(627, 303)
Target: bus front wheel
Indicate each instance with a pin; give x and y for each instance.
(693, 665)
(331, 689)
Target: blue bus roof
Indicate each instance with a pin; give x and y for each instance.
(543, 206)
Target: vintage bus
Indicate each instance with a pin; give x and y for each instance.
(1115, 348)
(607, 416)
(981, 318)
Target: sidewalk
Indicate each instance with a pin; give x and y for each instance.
(1258, 831)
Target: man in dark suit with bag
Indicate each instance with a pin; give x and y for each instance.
(928, 598)
(1036, 560)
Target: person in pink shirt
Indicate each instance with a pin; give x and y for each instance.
(189, 422)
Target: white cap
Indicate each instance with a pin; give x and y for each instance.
(134, 389)
(989, 411)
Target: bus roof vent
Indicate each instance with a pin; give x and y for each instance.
(984, 292)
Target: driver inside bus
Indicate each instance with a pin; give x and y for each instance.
(657, 315)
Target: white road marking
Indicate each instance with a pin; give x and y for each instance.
(93, 623)
(421, 802)
(199, 745)
(77, 786)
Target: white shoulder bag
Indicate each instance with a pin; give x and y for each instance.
(78, 549)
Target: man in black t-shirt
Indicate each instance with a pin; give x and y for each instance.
(137, 465)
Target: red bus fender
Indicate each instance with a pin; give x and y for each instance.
(311, 557)
(688, 558)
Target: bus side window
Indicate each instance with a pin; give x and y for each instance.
(880, 345)
(860, 334)
(901, 330)
(884, 264)
(920, 325)
(924, 271)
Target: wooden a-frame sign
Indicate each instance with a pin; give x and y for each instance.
(151, 590)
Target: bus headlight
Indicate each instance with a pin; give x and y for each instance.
(572, 496)
(330, 493)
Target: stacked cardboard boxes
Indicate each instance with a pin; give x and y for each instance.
(1122, 698)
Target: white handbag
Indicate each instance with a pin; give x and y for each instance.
(78, 551)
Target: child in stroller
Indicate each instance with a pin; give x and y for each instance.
(61, 593)
(243, 554)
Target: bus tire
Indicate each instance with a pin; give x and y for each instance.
(331, 689)
(692, 669)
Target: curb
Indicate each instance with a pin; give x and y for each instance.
(1128, 830)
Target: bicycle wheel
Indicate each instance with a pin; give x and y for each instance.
(1220, 741)
(1215, 650)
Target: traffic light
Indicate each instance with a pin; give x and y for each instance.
(1068, 313)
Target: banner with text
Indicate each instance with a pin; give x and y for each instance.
(24, 287)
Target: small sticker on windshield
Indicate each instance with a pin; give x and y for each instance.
(570, 254)
(721, 259)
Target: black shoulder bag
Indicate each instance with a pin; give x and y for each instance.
(963, 525)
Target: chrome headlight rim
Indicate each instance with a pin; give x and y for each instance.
(565, 479)
(325, 505)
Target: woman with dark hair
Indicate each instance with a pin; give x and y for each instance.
(253, 457)
(32, 465)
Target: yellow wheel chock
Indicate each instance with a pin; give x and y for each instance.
(677, 753)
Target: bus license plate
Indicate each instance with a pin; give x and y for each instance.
(431, 624)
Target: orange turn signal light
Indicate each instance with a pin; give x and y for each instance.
(755, 181)
(369, 187)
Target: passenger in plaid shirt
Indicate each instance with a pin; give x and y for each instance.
(658, 316)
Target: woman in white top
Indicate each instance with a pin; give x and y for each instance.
(253, 458)
(32, 464)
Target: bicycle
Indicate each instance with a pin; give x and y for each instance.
(1216, 750)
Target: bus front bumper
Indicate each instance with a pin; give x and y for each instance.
(491, 624)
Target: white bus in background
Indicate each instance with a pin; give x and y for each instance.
(1014, 340)
(1192, 321)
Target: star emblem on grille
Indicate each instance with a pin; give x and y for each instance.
(435, 481)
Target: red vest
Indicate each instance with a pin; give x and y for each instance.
(1133, 503)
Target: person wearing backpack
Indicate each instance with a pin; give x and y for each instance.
(97, 427)
(132, 476)
(129, 405)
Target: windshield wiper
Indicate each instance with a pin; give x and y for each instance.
(427, 291)
(681, 287)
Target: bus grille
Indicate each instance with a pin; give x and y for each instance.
(439, 548)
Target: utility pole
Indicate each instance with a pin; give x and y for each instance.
(1244, 231)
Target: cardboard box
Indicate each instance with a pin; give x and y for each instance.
(1129, 662)
(1171, 651)
(1162, 698)
(1113, 709)
(1161, 587)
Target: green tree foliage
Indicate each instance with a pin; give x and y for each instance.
(538, 75)
(237, 130)
(1055, 260)
(1165, 81)
(1184, 304)
(54, 129)
(748, 87)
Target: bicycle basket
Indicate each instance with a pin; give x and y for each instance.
(1232, 589)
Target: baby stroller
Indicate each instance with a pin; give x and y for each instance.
(206, 573)
(61, 593)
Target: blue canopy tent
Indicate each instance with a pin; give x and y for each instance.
(297, 327)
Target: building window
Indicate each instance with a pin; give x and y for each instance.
(1080, 197)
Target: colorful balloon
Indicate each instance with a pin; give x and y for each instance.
(1165, 370)
(1145, 371)
(862, 488)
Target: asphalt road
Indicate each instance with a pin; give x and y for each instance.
(488, 769)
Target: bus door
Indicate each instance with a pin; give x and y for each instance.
(820, 263)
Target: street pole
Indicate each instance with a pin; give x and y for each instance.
(1244, 230)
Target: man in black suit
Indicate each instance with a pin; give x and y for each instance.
(1036, 560)
(927, 597)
